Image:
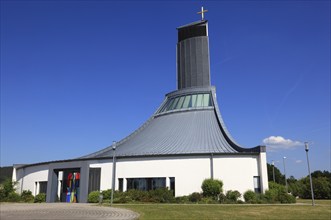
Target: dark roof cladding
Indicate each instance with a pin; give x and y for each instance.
(194, 29)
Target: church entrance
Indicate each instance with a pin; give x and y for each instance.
(70, 186)
(68, 182)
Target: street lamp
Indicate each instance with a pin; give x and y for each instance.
(273, 170)
(285, 174)
(113, 177)
(311, 182)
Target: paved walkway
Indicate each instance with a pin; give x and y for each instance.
(62, 211)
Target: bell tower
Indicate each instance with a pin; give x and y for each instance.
(193, 55)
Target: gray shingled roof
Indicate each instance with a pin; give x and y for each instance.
(190, 131)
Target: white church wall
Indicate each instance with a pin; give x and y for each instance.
(106, 172)
(236, 172)
(28, 176)
(189, 172)
(263, 171)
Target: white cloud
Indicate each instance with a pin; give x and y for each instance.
(298, 161)
(278, 142)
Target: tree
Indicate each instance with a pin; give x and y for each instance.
(321, 185)
(322, 188)
(211, 187)
(279, 177)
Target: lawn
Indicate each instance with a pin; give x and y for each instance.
(301, 210)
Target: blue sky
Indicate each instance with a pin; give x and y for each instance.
(76, 75)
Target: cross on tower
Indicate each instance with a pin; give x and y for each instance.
(202, 13)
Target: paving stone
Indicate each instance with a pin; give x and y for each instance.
(63, 211)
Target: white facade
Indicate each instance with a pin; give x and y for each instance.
(29, 178)
(237, 172)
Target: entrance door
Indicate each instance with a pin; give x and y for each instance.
(70, 185)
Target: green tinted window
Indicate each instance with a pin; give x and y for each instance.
(180, 102)
(174, 104)
(169, 105)
(206, 99)
(194, 101)
(199, 100)
(187, 101)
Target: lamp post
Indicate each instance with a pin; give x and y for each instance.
(285, 174)
(113, 177)
(311, 182)
(273, 170)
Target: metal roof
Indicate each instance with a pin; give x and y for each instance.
(192, 24)
(180, 132)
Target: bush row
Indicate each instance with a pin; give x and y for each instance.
(26, 196)
(212, 194)
(161, 195)
(8, 194)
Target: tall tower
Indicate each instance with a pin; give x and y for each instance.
(193, 55)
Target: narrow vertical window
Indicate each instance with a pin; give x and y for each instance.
(199, 100)
(186, 101)
(172, 184)
(194, 100)
(120, 184)
(174, 104)
(94, 179)
(43, 187)
(206, 98)
(170, 104)
(257, 185)
(180, 102)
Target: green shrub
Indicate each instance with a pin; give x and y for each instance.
(182, 199)
(8, 186)
(287, 198)
(2, 195)
(7, 192)
(106, 194)
(211, 187)
(277, 193)
(138, 195)
(13, 197)
(41, 197)
(233, 196)
(250, 196)
(93, 197)
(208, 200)
(222, 198)
(161, 195)
(27, 196)
(122, 199)
(195, 197)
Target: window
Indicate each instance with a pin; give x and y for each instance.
(43, 187)
(199, 100)
(94, 179)
(187, 101)
(206, 100)
(194, 99)
(172, 184)
(257, 186)
(146, 184)
(120, 184)
(180, 102)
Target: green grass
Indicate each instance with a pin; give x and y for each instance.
(322, 210)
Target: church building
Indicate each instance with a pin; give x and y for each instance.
(184, 142)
